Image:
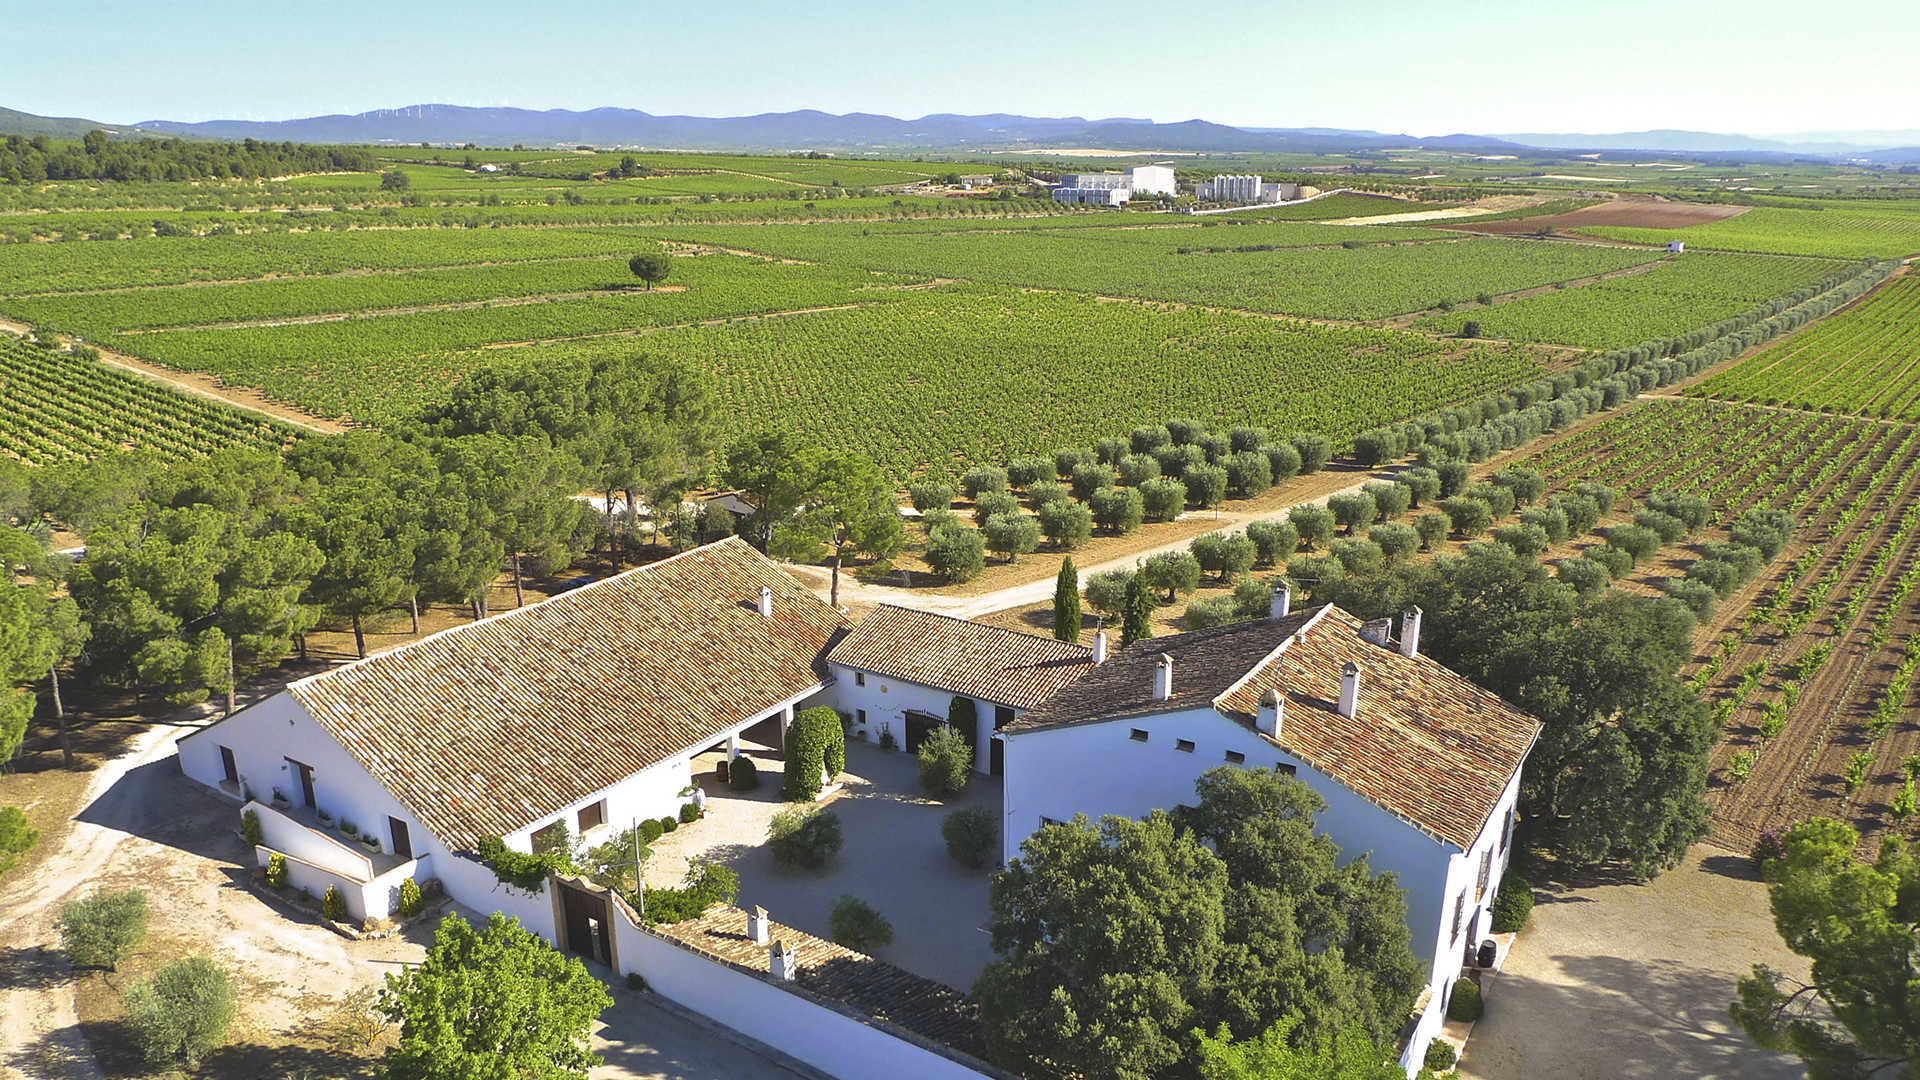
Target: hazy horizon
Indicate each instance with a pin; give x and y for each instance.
(1420, 69)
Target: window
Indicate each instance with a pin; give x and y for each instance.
(1486, 870)
(1185, 746)
(1235, 757)
(1459, 911)
(1138, 735)
(1002, 716)
(1046, 821)
(1506, 831)
(859, 678)
(550, 837)
(1285, 770)
(592, 817)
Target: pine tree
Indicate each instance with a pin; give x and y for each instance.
(1137, 625)
(1066, 602)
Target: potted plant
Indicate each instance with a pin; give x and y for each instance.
(279, 797)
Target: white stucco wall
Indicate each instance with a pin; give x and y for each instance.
(887, 701)
(829, 1040)
(1097, 769)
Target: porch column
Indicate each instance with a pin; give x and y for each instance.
(786, 721)
(733, 747)
(983, 713)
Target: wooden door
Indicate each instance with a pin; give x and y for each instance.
(588, 922)
(919, 726)
(402, 843)
(228, 766)
(306, 783)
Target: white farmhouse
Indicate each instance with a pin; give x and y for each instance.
(1150, 179)
(900, 670)
(583, 711)
(1419, 768)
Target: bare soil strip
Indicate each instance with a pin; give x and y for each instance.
(377, 313)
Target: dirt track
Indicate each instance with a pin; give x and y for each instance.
(1624, 211)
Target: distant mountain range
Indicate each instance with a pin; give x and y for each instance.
(811, 129)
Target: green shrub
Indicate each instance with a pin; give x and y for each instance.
(277, 870)
(636, 982)
(1465, 1006)
(857, 926)
(956, 553)
(650, 831)
(250, 828)
(1513, 905)
(409, 905)
(1441, 1055)
(946, 761)
(689, 813)
(98, 931)
(804, 838)
(181, 1012)
(521, 870)
(669, 823)
(743, 774)
(971, 834)
(705, 885)
(333, 905)
(815, 743)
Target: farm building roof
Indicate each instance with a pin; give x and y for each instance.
(890, 996)
(1424, 744)
(485, 728)
(959, 656)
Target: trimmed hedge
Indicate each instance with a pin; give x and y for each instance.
(815, 743)
(743, 774)
(1513, 905)
(1465, 1005)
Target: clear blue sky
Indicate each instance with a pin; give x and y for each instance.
(1423, 67)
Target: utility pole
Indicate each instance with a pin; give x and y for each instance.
(60, 718)
(639, 882)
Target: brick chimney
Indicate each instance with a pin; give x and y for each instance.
(757, 925)
(766, 602)
(1163, 678)
(1272, 711)
(1099, 646)
(1350, 689)
(780, 961)
(1410, 631)
(1378, 631)
(1282, 603)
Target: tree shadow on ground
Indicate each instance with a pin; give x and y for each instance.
(1738, 867)
(156, 802)
(35, 968)
(1614, 1017)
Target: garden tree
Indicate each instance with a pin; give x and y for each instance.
(946, 754)
(651, 266)
(816, 750)
(493, 1002)
(200, 586)
(395, 180)
(930, 495)
(1012, 535)
(1178, 572)
(1067, 524)
(1390, 499)
(367, 535)
(40, 629)
(655, 429)
(1467, 515)
(1349, 1054)
(526, 486)
(1100, 933)
(16, 837)
(1313, 524)
(1351, 508)
(98, 931)
(1137, 618)
(1206, 484)
(1620, 768)
(1422, 483)
(1163, 499)
(1116, 942)
(849, 508)
(1226, 554)
(1066, 602)
(768, 469)
(1107, 592)
(1118, 510)
(956, 553)
(1273, 541)
(181, 1012)
(1858, 924)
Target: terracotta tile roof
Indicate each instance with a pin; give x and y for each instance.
(1425, 744)
(874, 989)
(487, 727)
(962, 657)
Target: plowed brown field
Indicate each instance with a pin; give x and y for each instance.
(1631, 212)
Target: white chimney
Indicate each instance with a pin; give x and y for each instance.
(1410, 631)
(1163, 678)
(1272, 711)
(1282, 601)
(780, 961)
(766, 602)
(1350, 689)
(1099, 646)
(757, 925)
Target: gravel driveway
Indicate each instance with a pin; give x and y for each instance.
(1623, 980)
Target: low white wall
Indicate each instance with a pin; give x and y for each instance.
(1425, 1030)
(284, 834)
(476, 886)
(375, 899)
(780, 1016)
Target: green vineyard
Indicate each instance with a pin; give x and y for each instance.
(1864, 360)
(63, 408)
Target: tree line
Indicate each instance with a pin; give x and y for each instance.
(30, 160)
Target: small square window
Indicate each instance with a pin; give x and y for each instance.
(593, 816)
(1046, 821)
(1284, 770)
(1138, 735)
(863, 715)
(1185, 746)
(1235, 757)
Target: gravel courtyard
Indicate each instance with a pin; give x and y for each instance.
(1622, 980)
(894, 858)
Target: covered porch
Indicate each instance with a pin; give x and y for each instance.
(319, 855)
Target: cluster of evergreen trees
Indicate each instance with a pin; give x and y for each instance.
(97, 157)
